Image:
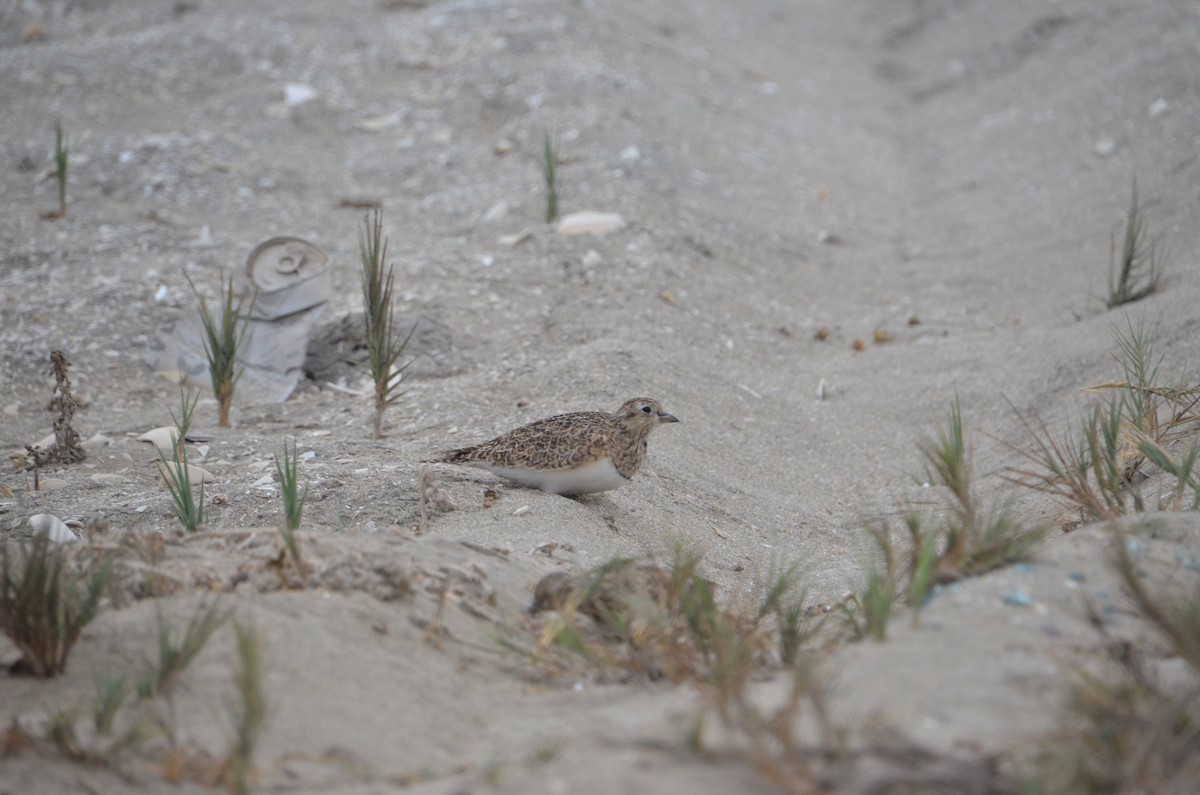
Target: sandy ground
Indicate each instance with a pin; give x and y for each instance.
(945, 172)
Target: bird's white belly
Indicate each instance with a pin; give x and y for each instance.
(585, 479)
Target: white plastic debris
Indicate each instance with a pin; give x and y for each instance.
(52, 527)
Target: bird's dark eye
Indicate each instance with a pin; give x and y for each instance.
(645, 409)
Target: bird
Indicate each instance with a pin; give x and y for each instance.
(570, 454)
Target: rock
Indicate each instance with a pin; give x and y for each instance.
(194, 473)
(52, 527)
(96, 442)
(51, 484)
(163, 438)
(496, 212)
(589, 222)
(107, 479)
(514, 240)
(380, 123)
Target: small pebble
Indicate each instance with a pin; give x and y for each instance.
(1017, 599)
(589, 222)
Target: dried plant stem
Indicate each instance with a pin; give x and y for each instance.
(67, 449)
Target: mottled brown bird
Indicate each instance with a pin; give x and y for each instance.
(578, 453)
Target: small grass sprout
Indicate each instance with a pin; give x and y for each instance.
(183, 422)
(965, 539)
(175, 654)
(224, 335)
(384, 346)
(111, 692)
(62, 156)
(47, 596)
(867, 612)
(1136, 272)
(248, 712)
(972, 540)
(288, 472)
(186, 499)
(550, 176)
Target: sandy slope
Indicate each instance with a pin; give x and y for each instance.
(948, 172)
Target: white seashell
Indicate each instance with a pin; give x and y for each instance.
(163, 438)
(524, 509)
(52, 527)
(589, 222)
(265, 482)
(194, 473)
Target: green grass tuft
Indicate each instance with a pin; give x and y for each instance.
(187, 500)
(1136, 272)
(47, 597)
(224, 335)
(111, 692)
(176, 654)
(249, 709)
(288, 472)
(1098, 472)
(384, 346)
(183, 422)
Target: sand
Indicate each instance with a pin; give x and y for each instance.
(938, 181)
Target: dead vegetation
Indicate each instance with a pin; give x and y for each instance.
(634, 621)
(1098, 472)
(965, 538)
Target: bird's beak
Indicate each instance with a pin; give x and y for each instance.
(664, 417)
